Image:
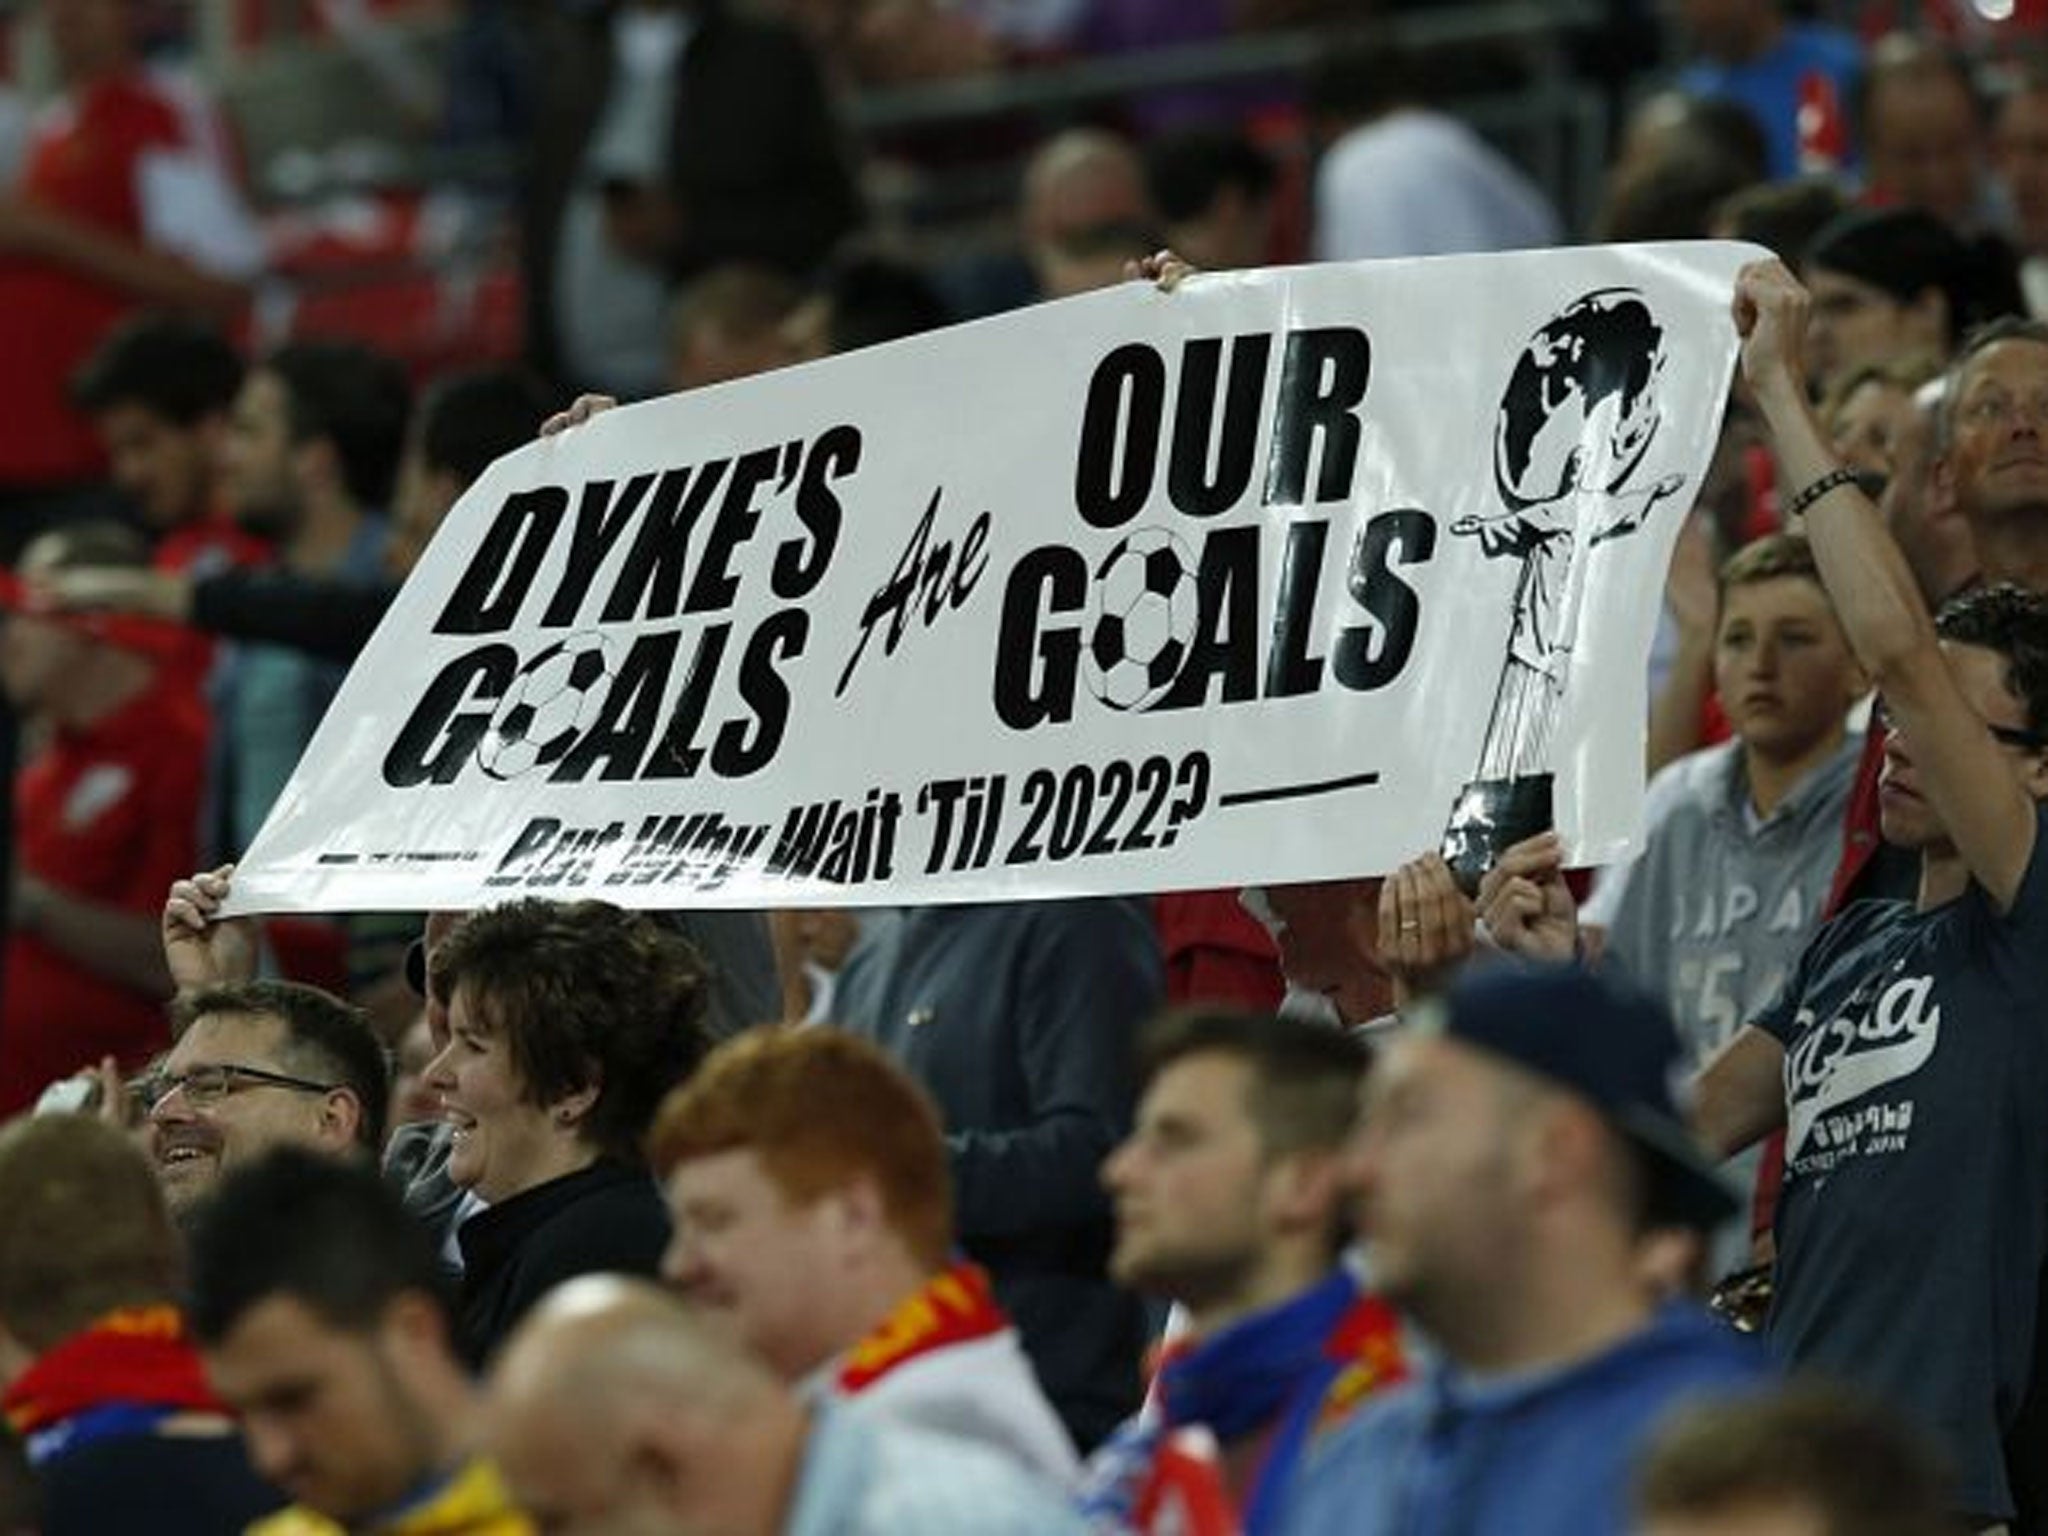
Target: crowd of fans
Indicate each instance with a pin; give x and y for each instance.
(1705, 1194)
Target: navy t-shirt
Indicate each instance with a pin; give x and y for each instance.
(1912, 1226)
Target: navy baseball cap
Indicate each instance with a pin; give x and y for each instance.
(1604, 1040)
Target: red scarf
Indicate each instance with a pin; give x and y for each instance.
(955, 1306)
(139, 1356)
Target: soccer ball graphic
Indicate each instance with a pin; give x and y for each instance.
(552, 702)
(1145, 616)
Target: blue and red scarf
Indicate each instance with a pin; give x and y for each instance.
(124, 1375)
(1287, 1373)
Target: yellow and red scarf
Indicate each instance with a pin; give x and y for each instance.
(955, 1306)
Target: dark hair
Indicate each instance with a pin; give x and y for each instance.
(353, 397)
(2013, 623)
(83, 1229)
(1782, 216)
(584, 995)
(1903, 251)
(179, 368)
(1670, 197)
(1185, 171)
(324, 1038)
(1305, 1075)
(468, 421)
(327, 1232)
(874, 299)
(1848, 1460)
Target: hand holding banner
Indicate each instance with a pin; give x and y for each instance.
(1137, 591)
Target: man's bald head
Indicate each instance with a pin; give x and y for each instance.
(612, 1405)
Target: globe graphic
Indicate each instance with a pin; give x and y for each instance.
(1581, 406)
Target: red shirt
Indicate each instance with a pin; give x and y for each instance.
(1216, 952)
(107, 813)
(210, 544)
(83, 163)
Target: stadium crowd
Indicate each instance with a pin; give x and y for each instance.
(1705, 1195)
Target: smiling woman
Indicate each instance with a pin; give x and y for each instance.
(568, 1021)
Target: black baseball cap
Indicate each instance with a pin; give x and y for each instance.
(1606, 1041)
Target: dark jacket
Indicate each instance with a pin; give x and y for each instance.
(167, 1484)
(756, 164)
(1021, 1021)
(605, 1219)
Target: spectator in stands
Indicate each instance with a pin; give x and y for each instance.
(1214, 188)
(651, 160)
(1326, 933)
(464, 423)
(806, 1176)
(1229, 1202)
(1781, 216)
(861, 300)
(1084, 212)
(1358, 949)
(311, 457)
(1398, 178)
(1921, 125)
(727, 324)
(159, 391)
(567, 1023)
(1886, 1113)
(1920, 509)
(319, 1306)
(1870, 412)
(1019, 1019)
(117, 208)
(1806, 1461)
(101, 1377)
(1889, 286)
(615, 1409)
(2020, 158)
(104, 813)
(1740, 839)
(259, 1065)
(1680, 158)
(1749, 52)
(1516, 1146)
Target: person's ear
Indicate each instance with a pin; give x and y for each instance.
(1305, 1189)
(571, 1109)
(341, 1117)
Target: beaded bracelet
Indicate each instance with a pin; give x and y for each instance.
(1818, 489)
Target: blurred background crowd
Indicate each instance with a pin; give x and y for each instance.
(280, 278)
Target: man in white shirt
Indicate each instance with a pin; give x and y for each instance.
(806, 1175)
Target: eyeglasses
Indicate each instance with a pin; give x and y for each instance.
(1999, 410)
(2005, 735)
(207, 1085)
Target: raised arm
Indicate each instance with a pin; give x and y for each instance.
(1981, 804)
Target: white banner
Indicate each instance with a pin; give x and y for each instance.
(1134, 592)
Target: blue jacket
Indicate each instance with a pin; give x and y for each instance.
(1542, 1454)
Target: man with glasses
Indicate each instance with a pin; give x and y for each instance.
(1907, 1058)
(259, 1065)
